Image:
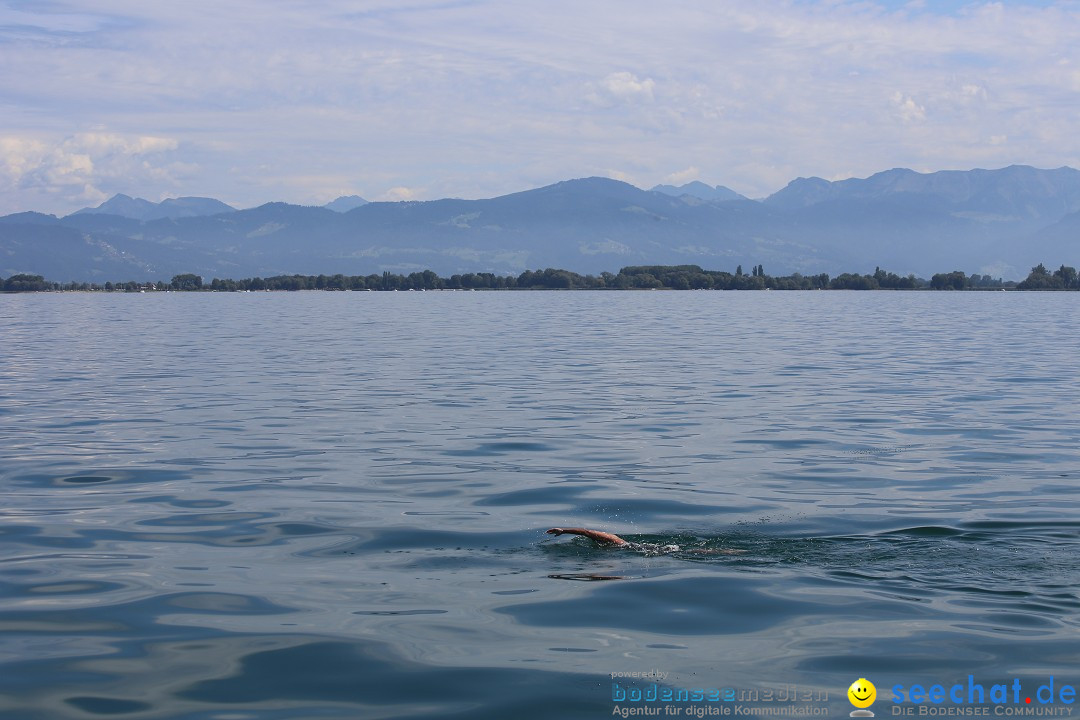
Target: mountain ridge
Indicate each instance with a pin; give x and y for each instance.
(142, 209)
(345, 203)
(699, 190)
(909, 222)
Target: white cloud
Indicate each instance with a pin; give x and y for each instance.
(621, 88)
(908, 110)
(18, 157)
(105, 144)
(971, 90)
(85, 167)
(627, 85)
(478, 98)
(619, 175)
(398, 194)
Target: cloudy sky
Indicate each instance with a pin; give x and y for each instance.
(256, 100)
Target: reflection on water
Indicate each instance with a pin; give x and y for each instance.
(333, 505)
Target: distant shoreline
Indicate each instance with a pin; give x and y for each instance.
(642, 277)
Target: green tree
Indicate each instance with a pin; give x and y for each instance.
(956, 280)
(853, 281)
(1067, 275)
(1041, 279)
(186, 281)
(25, 283)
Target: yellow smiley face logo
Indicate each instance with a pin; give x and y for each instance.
(862, 693)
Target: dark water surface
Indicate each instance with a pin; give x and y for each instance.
(322, 505)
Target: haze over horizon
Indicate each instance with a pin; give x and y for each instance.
(664, 188)
(250, 102)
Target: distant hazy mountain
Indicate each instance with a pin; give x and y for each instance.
(29, 218)
(345, 203)
(1059, 242)
(700, 190)
(139, 209)
(1016, 193)
(988, 221)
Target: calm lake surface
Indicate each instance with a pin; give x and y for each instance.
(332, 505)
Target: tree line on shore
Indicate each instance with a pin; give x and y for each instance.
(641, 277)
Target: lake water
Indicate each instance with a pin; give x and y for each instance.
(332, 505)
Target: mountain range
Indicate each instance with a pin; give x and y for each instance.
(700, 190)
(139, 209)
(998, 222)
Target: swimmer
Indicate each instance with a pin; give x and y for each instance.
(605, 538)
(601, 537)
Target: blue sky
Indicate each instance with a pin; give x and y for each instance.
(251, 101)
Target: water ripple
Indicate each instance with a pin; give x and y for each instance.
(333, 505)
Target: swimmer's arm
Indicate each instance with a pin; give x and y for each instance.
(600, 537)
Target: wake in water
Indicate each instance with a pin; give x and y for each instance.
(983, 557)
(646, 548)
(990, 577)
